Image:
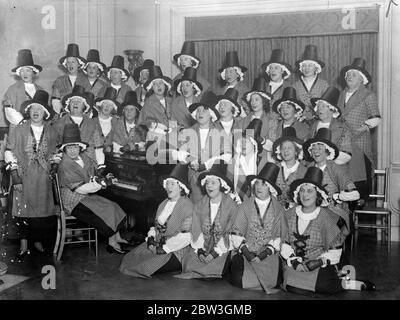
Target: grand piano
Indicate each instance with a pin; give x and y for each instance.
(139, 189)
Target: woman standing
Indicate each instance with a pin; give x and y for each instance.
(22, 90)
(259, 100)
(188, 90)
(169, 239)
(278, 71)
(290, 109)
(118, 75)
(105, 122)
(232, 73)
(310, 85)
(30, 153)
(359, 107)
(341, 189)
(288, 150)
(157, 107)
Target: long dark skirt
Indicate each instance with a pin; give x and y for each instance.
(263, 275)
(36, 229)
(84, 214)
(326, 281)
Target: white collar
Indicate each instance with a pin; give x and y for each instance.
(227, 123)
(117, 87)
(322, 168)
(275, 84)
(307, 216)
(105, 120)
(263, 202)
(287, 170)
(309, 81)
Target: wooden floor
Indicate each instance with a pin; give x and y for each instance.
(78, 276)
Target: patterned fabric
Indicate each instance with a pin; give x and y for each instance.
(189, 140)
(258, 233)
(121, 92)
(222, 224)
(361, 106)
(72, 176)
(89, 134)
(320, 235)
(98, 87)
(122, 137)
(284, 184)
(141, 262)
(278, 93)
(317, 90)
(62, 85)
(180, 112)
(16, 94)
(341, 135)
(269, 125)
(302, 129)
(33, 160)
(106, 141)
(154, 111)
(192, 267)
(335, 179)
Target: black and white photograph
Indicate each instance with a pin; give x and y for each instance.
(200, 156)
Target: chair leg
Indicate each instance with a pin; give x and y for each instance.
(62, 240)
(389, 232)
(90, 238)
(96, 243)
(57, 243)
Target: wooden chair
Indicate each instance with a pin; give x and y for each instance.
(379, 208)
(66, 227)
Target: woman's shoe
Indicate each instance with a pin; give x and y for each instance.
(39, 248)
(367, 285)
(21, 254)
(111, 249)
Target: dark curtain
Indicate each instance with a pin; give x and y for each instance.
(335, 50)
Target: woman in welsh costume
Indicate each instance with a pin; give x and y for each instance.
(313, 243)
(169, 239)
(213, 217)
(79, 184)
(30, 152)
(257, 233)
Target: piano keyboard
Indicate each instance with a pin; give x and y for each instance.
(127, 185)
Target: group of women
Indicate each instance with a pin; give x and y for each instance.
(261, 190)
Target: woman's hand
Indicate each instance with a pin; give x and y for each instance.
(18, 187)
(153, 249)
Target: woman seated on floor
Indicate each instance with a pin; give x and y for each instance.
(169, 239)
(313, 242)
(257, 234)
(341, 189)
(78, 184)
(213, 217)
